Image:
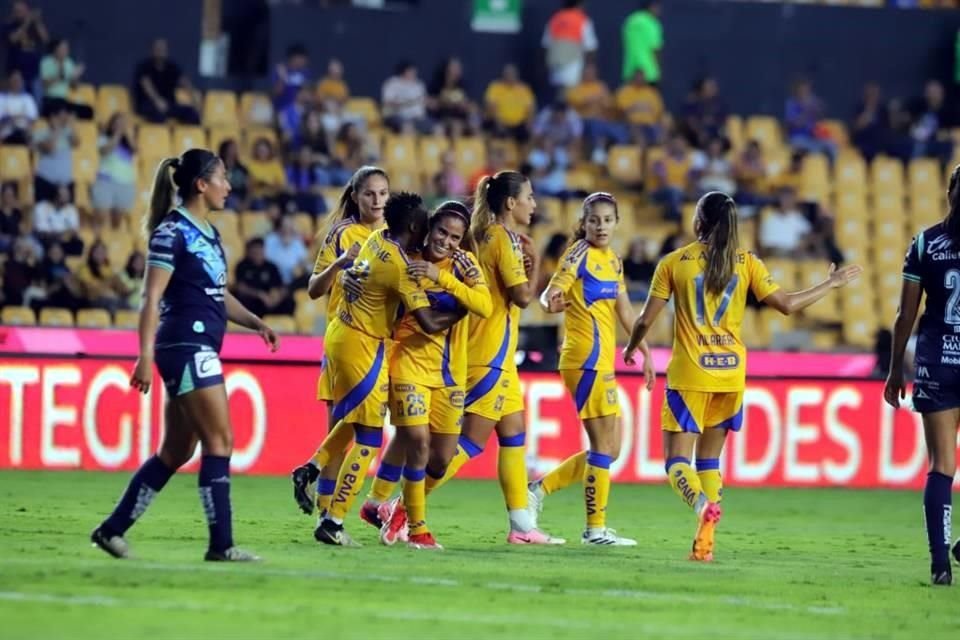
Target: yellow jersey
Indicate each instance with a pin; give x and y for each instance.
(381, 267)
(440, 359)
(641, 105)
(708, 352)
(512, 104)
(591, 279)
(339, 239)
(493, 340)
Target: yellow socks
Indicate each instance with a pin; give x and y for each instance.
(596, 488)
(708, 470)
(685, 482)
(388, 475)
(335, 443)
(354, 471)
(569, 471)
(415, 500)
(465, 451)
(512, 471)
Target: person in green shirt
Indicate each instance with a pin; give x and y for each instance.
(642, 42)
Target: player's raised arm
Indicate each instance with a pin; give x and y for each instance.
(790, 303)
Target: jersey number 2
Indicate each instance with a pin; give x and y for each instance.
(951, 280)
(724, 301)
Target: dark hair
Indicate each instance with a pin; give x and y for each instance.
(222, 149)
(490, 199)
(716, 224)
(460, 211)
(402, 67)
(403, 208)
(579, 232)
(254, 242)
(93, 266)
(55, 44)
(296, 50)
(347, 209)
(129, 267)
(952, 222)
(177, 176)
(556, 245)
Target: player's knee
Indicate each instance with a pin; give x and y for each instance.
(943, 464)
(218, 444)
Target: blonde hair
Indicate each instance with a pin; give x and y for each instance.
(161, 195)
(490, 199)
(717, 227)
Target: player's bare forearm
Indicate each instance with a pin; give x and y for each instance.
(238, 313)
(625, 311)
(642, 325)
(637, 335)
(910, 295)
(147, 326)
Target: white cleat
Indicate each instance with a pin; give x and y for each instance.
(534, 502)
(606, 537)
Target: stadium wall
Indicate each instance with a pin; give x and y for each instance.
(77, 411)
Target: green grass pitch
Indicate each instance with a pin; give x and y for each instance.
(791, 564)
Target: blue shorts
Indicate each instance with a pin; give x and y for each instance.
(188, 368)
(936, 388)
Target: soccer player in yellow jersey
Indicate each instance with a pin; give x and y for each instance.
(356, 347)
(358, 214)
(709, 280)
(589, 289)
(427, 377)
(503, 203)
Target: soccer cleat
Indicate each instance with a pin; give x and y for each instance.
(233, 554)
(942, 578)
(702, 550)
(606, 538)
(534, 536)
(395, 527)
(370, 513)
(303, 478)
(956, 550)
(534, 502)
(116, 546)
(329, 532)
(424, 541)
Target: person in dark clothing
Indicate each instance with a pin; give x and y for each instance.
(259, 285)
(155, 85)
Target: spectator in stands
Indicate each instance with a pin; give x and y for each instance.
(132, 279)
(642, 106)
(55, 146)
(285, 248)
(353, 149)
(58, 221)
(638, 268)
(674, 174)
(704, 114)
(318, 140)
(18, 111)
(785, 230)
(60, 287)
(717, 171)
(642, 43)
(870, 129)
(802, 113)
(19, 272)
(268, 180)
(569, 41)
(307, 182)
(932, 119)
(404, 98)
(332, 86)
(550, 258)
(237, 175)
(11, 218)
(115, 188)
(560, 123)
(449, 182)
(26, 39)
(496, 162)
(59, 74)
(290, 119)
(448, 102)
(674, 240)
(291, 76)
(593, 102)
(750, 171)
(510, 105)
(156, 81)
(548, 164)
(258, 283)
(102, 287)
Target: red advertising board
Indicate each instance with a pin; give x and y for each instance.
(67, 413)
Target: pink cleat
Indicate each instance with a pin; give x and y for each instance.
(395, 526)
(424, 541)
(534, 536)
(703, 542)
(370, 513)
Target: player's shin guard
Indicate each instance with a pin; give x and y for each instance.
(354, 471)
(144, 486)
(335, 443)
(512, 471)
(214, 486)
(685, 482)
(466, 450)
(388, 475)
(415, 500)
(596, 488)
(937, 511)
(569, 471)
(708, 470)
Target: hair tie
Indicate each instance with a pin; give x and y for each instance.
(175, 164)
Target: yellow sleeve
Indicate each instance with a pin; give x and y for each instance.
(277, 175)
(411, 294)
(662, 284)
(622, 100)
(329, 251)
(509, 260)
(566, 275)
(476, 298)
(491, 94)
(761, 282)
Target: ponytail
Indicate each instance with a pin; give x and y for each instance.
(482, 217)
(952, 222)
(717, 227)
(347, 208)
(162, 195)
(490, 199)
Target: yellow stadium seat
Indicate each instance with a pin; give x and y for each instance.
(365, 108)
(784, 272)
(406, 180)
(153, 140)
(256, 109)
(471, 155)
(825, 310)
(888, 232)
(776, 322)
(233, 249)
(227, 222)
(18, 316)
(188, 137)
(281, 324)
(766, 131)
(218, 135)
(734, 131)
(220, 108)
(252, 134)
(510, 150)
(926, 209)
(254, 224)
(93, 319)
(923, 176)
(430, 150)
(816, 183)
(400, 152)
(580, 180)
(83, 93)
(15, 163)
(851, 204)
(54, 317)
(850, 173)
(87, 134)
(304, 224)
(625, 164)
(825, 340)
(886, 177)
(888, 207)
(126, 319)
(111, 99)
(119, 246)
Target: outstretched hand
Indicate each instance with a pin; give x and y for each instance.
(843, 276)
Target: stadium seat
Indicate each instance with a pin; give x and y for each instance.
(281, 324)
(93, 319)
(220, 108)
(509, 148)
(15, 163)
(256, 108)
(87, 134)
(111, 99)
(430, 150)
(119, 246)
(18, 316)
(126, 319)
(826, 310)
(255, 224)
(784, 272)
(218, 135)
(923, 176)
(304, 225)
(850, 173)
(886, 177)
(365, 108)
(252, 134)
(400, 153)
(766, 131)
(816, 184)
(83, 93)
(580, 180)
(625, 164)
(734, 131)
(888, 207)
(227, 222)
(926, 209)
(54, 317)
(153, 140)
(188, 137)
(471, 155)
(406, 180)
(86, 162)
